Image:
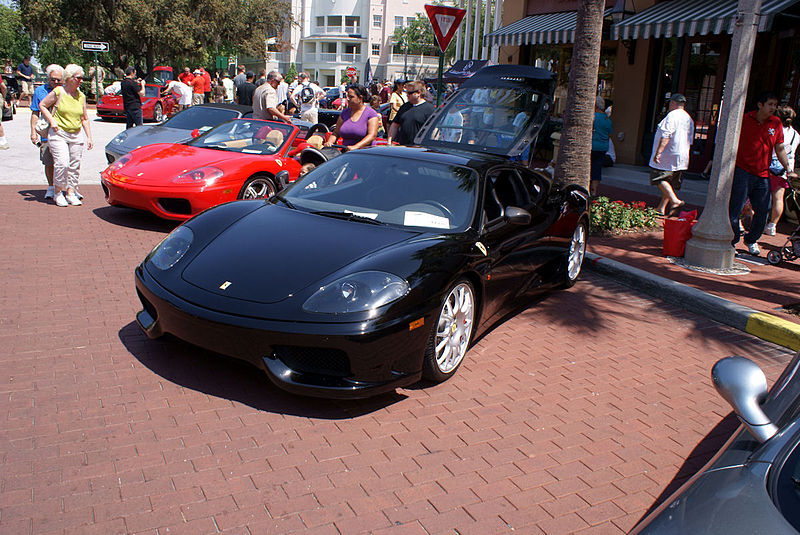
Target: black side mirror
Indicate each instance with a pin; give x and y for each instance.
(517, 216)
(282, 178)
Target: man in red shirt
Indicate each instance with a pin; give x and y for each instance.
(762, 132)
(206, 84)
(186, 76)
(198, 87)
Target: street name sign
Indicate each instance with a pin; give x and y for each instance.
(445, 21)
(94, 46)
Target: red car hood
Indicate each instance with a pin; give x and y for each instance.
(155, 165)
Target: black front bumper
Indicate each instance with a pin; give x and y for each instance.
(332, 360)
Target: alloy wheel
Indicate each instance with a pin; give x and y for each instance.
(454, 330)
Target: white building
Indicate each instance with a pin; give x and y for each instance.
(331, 35)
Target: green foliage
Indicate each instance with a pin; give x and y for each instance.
(152, 32)
(15, 43)
(617, 216)
(291, 73)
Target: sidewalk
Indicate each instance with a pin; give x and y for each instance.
(753, 302)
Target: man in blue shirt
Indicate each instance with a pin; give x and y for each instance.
(25, 75)
(55, 75)
(601, 132)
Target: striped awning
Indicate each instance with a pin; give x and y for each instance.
(549, 28)
(678, 18)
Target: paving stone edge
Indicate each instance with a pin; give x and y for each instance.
(765, 326)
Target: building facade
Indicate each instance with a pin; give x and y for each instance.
(331, 35)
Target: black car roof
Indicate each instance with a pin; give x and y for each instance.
(473, 160)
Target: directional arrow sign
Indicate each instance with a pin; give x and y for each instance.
(445, 21)
(94, 46)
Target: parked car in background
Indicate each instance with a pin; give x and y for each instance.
(154, 106)
(239, 159)
(175, 130)
(330, 98)
(751, 485)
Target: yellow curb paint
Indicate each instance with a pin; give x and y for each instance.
(774, 329)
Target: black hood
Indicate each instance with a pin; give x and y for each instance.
(274, 253)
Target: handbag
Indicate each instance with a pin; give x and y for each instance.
(42, 127)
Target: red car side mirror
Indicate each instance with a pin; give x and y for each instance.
(195, 133)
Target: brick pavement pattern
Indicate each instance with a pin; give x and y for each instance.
(573, 416)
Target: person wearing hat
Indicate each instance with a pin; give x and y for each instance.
(198, 88)
(670, 157)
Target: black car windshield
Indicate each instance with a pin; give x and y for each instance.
(405, 192)
(152, 91)
(248, 136)
(488, 119)
(201, 117)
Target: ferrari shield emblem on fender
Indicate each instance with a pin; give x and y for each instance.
(482, 248)
(224, 285)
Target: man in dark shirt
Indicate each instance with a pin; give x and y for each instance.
(411, 115)
(244, 94)
(240, 78)
(132, 91)
(24, 74)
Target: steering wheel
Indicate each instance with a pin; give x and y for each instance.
(445, 210)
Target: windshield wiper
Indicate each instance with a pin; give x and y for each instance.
(284, 201)
(349, 216)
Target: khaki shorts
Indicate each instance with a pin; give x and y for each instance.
(45, 156)
(26, 87)
(197, 98)
(675, 178)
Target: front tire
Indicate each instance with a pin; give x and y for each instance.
(575, 255)
(774, 257)
(258, 187)
(452, 333)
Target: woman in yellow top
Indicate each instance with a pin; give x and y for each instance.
(397, 98)
(65, 109)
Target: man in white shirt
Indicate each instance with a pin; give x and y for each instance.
(181, 91)
(670, 157)
(283, 95)
(227, 83)
(306, 96)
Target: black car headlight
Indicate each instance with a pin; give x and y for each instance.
(359, 292)
(120, 138)
(172, 248)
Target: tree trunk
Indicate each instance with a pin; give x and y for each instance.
(572, 166)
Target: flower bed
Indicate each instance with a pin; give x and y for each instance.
(618, 217)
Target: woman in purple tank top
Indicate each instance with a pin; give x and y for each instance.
(358, 123)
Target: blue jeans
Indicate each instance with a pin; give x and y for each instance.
(757, 189)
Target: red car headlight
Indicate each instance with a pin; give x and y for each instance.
(206, 174)
(119, 164)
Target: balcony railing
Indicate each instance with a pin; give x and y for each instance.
(351, 58)
(338, 30)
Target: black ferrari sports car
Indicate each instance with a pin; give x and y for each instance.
(379, 267)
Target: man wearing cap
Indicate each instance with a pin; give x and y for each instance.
(198, 88)
(306, 96)
(265, 99)
(762, 133)
(670, 157)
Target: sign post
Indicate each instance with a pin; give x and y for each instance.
(445, 21)
(95, 46)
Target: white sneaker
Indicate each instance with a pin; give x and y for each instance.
(753, 249)
(4, 146)
(78, 194)
(73, 200)
(51, 191)
(769, 230)
(61, 199)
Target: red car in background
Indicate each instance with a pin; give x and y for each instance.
(239, 159)
(154, 106)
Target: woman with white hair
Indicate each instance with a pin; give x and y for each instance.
(65, 110)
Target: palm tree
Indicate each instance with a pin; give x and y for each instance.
(572, 165)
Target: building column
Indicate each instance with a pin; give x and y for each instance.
(487, 17)
(467, 29)
(710, 246)
(498, 21)
(476, 29)
(460, 4)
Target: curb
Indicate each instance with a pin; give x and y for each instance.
(765, 326)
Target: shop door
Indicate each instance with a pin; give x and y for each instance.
(702, 79)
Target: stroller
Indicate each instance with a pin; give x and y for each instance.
(791, 249)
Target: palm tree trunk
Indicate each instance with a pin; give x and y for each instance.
(572, 165)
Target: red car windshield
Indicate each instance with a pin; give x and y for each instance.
(248, 136)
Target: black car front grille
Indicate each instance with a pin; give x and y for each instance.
(175, 206)
(316, 360)
(147, 305)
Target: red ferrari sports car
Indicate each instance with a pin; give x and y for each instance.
(154, 106)
(240, 159)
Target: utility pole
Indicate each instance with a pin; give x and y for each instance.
(710, 246)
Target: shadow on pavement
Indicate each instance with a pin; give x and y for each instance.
(35, 195)
(697, 459)
(217, 375)
(132, 218)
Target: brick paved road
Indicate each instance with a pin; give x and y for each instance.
(573, 416)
